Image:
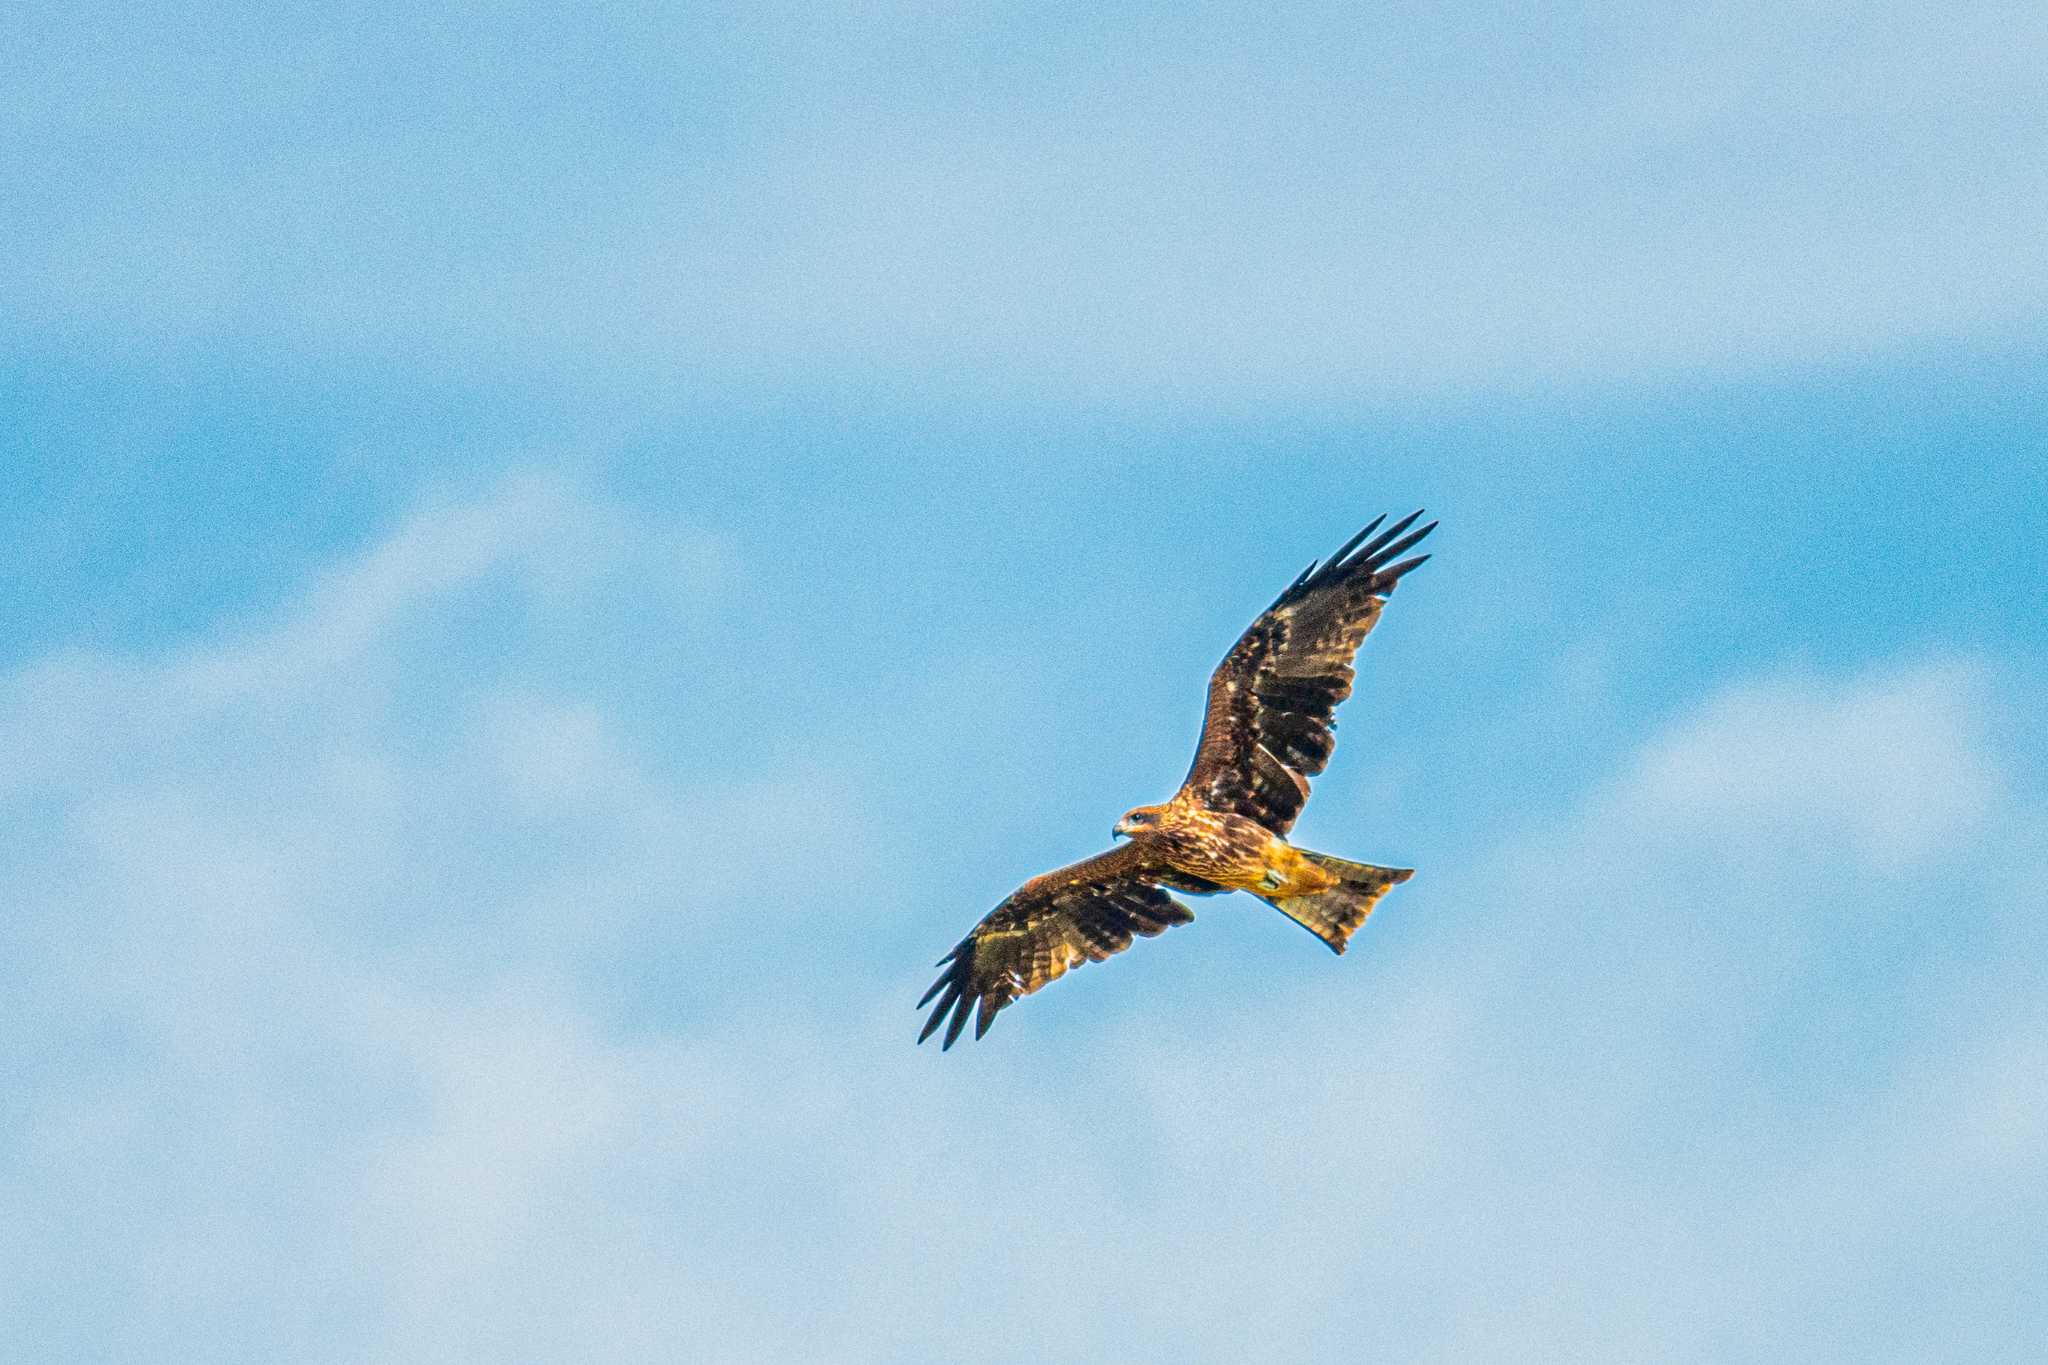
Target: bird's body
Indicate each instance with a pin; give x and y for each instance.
(1268, 729)
(1233, 851)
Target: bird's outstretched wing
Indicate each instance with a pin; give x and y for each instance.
(1273, 700)
(1078, 914)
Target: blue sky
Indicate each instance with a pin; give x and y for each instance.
(563, 558)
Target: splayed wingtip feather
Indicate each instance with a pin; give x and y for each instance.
(1402, 544)
(1379, 542)
(962, 1005)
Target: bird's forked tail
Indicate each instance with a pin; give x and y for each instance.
(1333, 915)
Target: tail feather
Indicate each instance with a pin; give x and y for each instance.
(1335, 914)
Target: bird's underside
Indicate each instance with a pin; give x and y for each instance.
(1268, 729)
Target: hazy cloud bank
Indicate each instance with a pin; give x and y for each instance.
(1207, 204)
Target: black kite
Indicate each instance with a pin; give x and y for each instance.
(1272, 710)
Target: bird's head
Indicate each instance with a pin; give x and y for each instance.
(1137, 820)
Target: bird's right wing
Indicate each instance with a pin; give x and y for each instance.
(1079, 914)
(1273, 700)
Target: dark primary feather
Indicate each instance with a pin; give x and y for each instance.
(1273, 700)
(1079, 914)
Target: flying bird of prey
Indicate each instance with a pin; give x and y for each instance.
(1268, 729)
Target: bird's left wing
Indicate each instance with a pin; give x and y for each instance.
(1079, 914)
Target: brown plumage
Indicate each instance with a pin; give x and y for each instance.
(1269, 728)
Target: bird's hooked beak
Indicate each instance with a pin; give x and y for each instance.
(1124, 828)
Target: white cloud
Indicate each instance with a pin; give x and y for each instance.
(1895, 767)
(330, 1047)
(306, 978)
